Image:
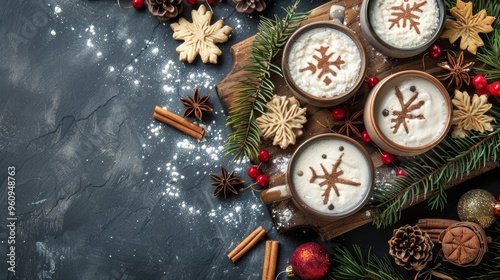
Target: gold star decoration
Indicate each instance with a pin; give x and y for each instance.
(458, 72)
(196, 105)
(470, 115)
(348, 125)
(467, 26)
(225, 182)
(200, 37)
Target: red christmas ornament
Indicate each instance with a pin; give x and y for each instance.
(387, 158)
(253, 172)
(372, 82)
(191, 2)
(435, 51)
(138, 4)
(211, 1)
(496, 209)
(479, 81)
(262, 180)
(365, 137)
(494, 89)
(263, 156)
(338, 113)
(401, 172)
(309, 261)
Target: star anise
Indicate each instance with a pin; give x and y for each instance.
(196, 105)
(458, 72)
(225, 182)
(348, 125)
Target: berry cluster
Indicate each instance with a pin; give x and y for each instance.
(255, 173)
(482, 87)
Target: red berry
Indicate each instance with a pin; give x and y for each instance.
(435, 51)
(365, 137)
(191, 2)
(482, 91)
(263, 156)
(401, 172)
(253, 172)
(494, 89)
(338, 113)
(479, 81)
(138, 4)
(372, 82)
(211, 1)
(262, 180)
(498, 197)
(387, 158)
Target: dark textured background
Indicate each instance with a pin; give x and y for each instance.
(102, 190)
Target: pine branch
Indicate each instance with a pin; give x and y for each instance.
(429, 173)
(489, 54)
(253, 94)
(355, 266)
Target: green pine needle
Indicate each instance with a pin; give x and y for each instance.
(355, 266)
(254, 93)
(429, 173)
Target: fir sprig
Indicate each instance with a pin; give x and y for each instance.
(253, 93)
(347, 265)
(451, 159)
(355, 266)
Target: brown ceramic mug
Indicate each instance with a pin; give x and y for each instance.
(324, 63)
(408, 113)
(329, 176)
(389, 31)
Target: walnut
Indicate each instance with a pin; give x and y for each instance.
(282, 121)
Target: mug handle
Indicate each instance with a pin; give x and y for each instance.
(275, 194)
(337, 14)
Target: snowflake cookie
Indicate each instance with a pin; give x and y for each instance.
(282, 121)
(200, 37)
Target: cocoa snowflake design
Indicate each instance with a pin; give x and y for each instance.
(407, 13)
(324, 64)
(406, 109)
(331, 179)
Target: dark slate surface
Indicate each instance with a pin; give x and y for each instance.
(102, 190)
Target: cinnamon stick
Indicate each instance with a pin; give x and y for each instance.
(270, 259)
(247, 244)
(179, 122)
(435, 223)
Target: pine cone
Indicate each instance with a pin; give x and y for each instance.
(164, 9)
(248, 6)
(411, 247)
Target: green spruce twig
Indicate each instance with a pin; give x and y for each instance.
(355, 266)
(253, 93)
(451, 159)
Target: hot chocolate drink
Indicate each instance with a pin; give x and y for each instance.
(331, 176)
(324, 62)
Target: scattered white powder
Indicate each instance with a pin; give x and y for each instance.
(402, 33)
(353, 165)
(318, 83)
(420, 131)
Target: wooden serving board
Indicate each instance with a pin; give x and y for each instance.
(284, 214)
